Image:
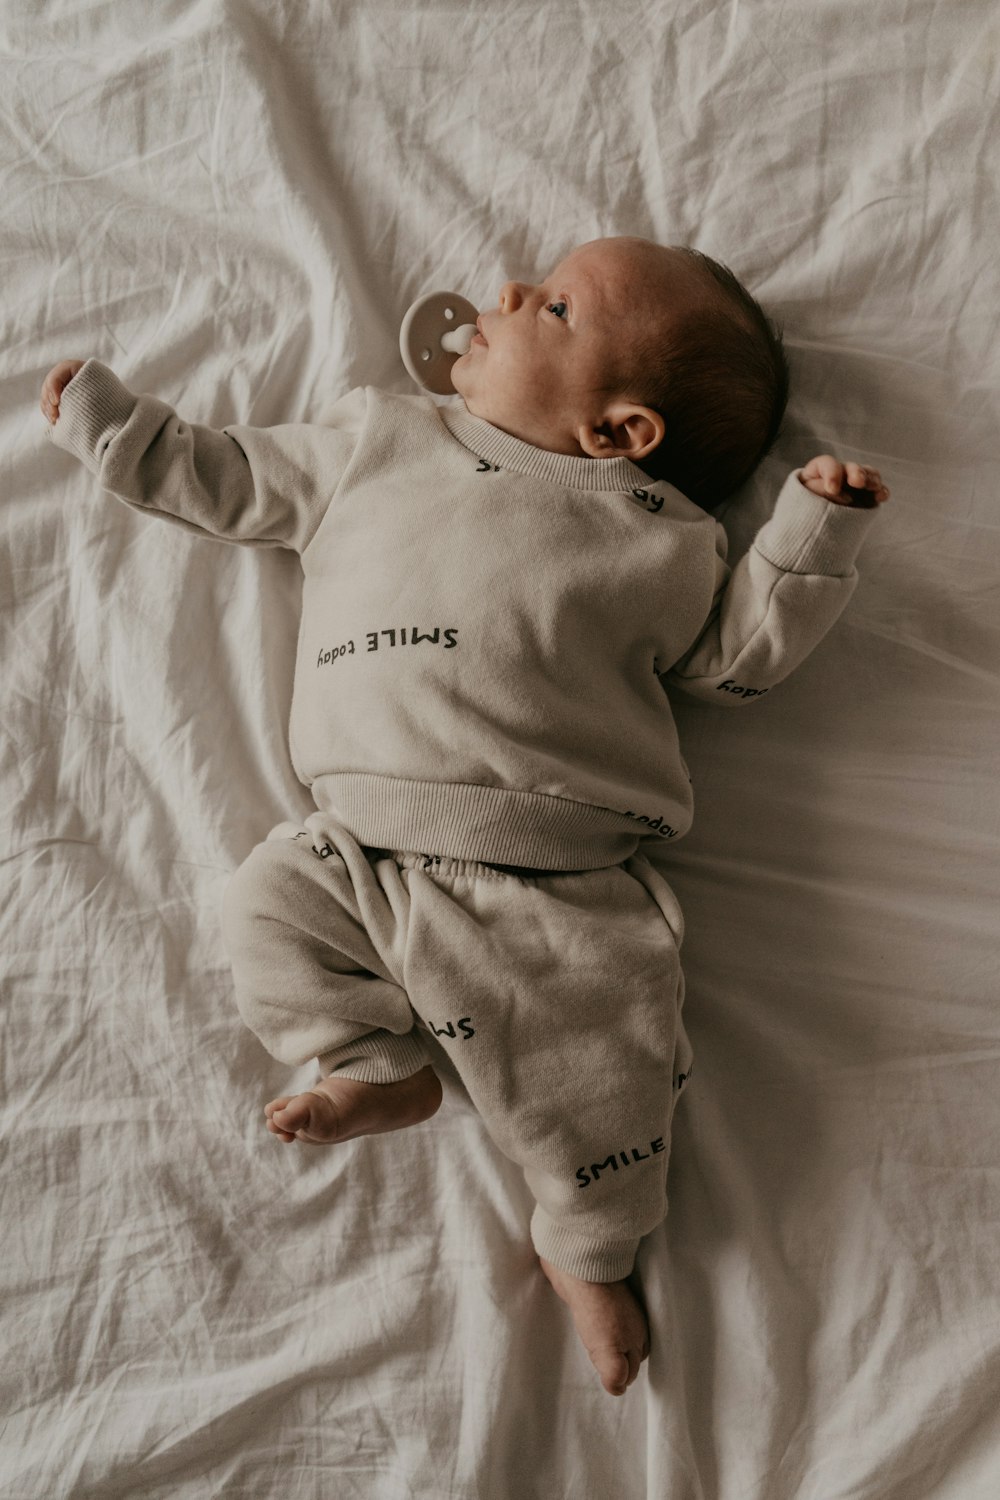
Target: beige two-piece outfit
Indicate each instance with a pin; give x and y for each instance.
(480, 712)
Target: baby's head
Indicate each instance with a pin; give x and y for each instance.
(632, 349)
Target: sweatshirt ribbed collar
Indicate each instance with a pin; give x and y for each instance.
(610, 475)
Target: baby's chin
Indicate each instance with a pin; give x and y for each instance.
(498, 413)
(474, 387)
(458, 379)
(477, 401)
(477, 406)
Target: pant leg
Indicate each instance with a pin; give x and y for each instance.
(558, 999)
(316, 937)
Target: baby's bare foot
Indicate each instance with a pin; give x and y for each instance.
(338, 1109)
(610, 1322)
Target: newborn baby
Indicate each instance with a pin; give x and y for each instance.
(497, 594)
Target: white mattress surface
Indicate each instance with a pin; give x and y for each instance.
(233, 205)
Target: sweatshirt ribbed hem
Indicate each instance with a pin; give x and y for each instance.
(490, 823)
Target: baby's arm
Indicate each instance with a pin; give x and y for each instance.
(780, 600)
(265, 487)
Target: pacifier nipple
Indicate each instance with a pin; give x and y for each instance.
(437, 330)
(459, 341)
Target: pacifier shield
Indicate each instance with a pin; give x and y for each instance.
(436, 331)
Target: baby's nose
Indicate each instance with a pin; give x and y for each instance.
(511, 296)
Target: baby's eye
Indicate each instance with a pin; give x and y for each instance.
(550, 306)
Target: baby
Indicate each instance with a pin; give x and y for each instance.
(497, 593)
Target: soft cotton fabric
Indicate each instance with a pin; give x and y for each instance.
(487, 628)
(556, 997)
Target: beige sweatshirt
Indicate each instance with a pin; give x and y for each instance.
(488, 629)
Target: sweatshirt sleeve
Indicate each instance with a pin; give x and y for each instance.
(778, 602)
(260, 486)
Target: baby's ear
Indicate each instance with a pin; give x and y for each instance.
(595, 442)
(627, 431)
(650, 431)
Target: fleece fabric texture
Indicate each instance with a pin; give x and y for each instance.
(488, 628)
(557, 1000)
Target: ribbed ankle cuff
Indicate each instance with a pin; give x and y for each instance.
(379, 1057)
(591, 1260)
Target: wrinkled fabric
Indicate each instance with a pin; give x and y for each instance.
(233, 206)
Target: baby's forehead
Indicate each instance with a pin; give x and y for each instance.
(625, 274)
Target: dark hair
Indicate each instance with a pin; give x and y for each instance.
(720, 381)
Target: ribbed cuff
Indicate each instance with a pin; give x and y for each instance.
(591, 1260)
(93, 409)
(807, 534)
(379, 1057)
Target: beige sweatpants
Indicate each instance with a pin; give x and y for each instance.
(556, 996)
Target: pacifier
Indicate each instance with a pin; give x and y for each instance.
(436, 331)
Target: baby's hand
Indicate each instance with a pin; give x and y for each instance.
(55, 383)
(844, 484)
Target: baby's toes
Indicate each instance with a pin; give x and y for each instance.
(291, 1114)
(614, 1368)
(270, 1110)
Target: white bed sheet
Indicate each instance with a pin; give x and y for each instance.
(232, 205)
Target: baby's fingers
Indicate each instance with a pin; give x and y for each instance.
(844, 484)
(55, 383)
(824, 475)
(865, 485)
